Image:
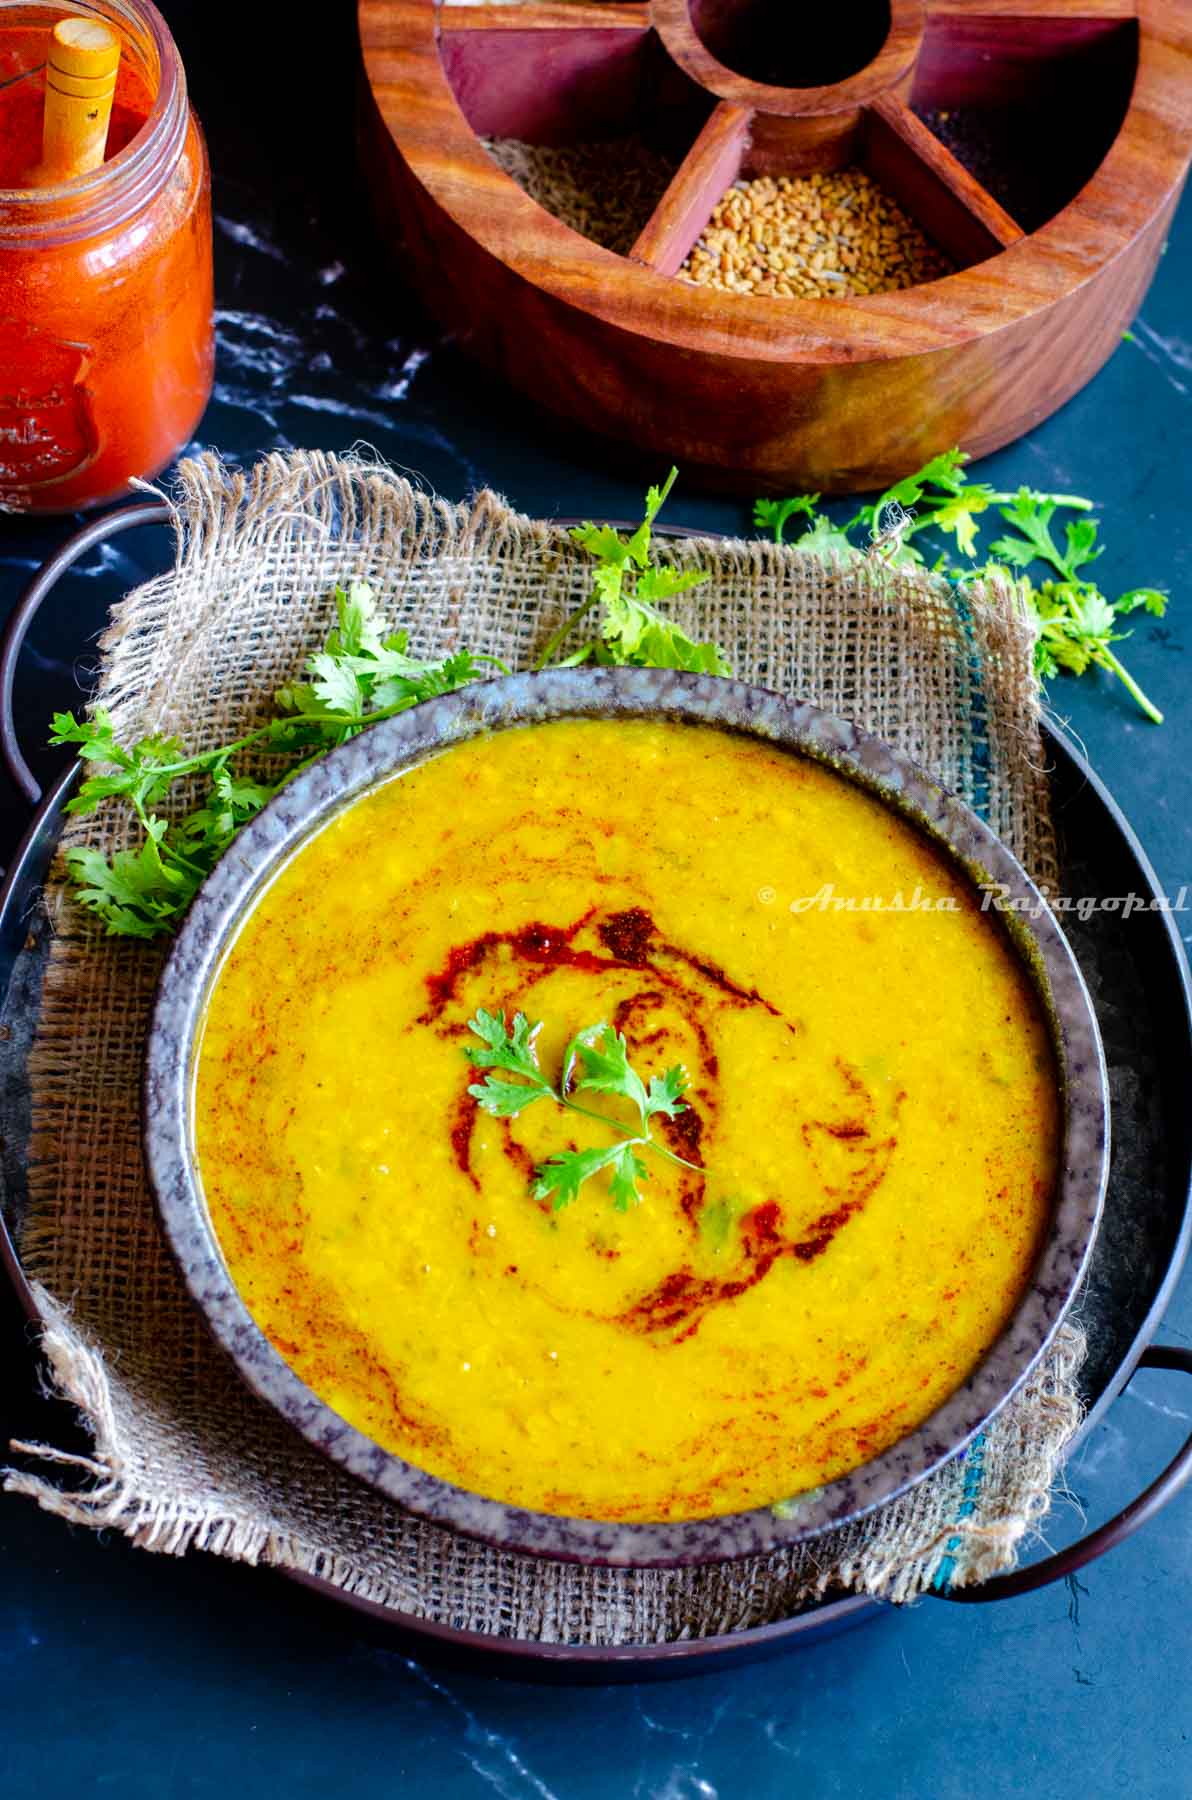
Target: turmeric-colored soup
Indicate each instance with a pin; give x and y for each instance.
(871, 1111)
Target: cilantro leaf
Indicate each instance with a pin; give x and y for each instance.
(1073, 620)
(337, 684)
(511, 1049)
(774, 515)
(663, 584)
(824, 537)
(944, 471)
(664, 1091)
(627, 1170)
(359, 676)
(603, 542)
(505, 1099)
(601, 1053)
(626, 588)
(135, 893)
(358, 632)
(1030, 514)
(634, 632)
(1080, 536)
(1152, 600)
(93, 737)
(959, 516)
(1093, 614)
(561, 1176)
(605, 1059)
(656, 497)
(1017, 552)
(1074, 631)
(141, 775)
(504, 1047)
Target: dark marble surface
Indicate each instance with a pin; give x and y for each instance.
(155, 1677)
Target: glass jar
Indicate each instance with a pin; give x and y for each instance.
(106, 311)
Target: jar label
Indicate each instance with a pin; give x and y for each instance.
(47, 428)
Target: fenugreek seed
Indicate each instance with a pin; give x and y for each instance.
(815, 235)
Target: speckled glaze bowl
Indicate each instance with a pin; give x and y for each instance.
(343, 776)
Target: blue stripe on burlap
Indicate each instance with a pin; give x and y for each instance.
(978, 799)
(973, 1471)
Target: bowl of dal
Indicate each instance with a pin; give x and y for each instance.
(853, 1222)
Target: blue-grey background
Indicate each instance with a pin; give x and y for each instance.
(153, 1678)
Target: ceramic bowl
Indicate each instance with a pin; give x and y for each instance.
(340, 778)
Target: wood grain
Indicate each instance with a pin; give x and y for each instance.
(781, 145)
(1003, 58)
(777, 394)
(712, 165)
(990, 15)
(549, 74)
(953, 208)
(568, 15)
(754, 38)
(892, 68)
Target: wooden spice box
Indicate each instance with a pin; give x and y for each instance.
(1041, 146)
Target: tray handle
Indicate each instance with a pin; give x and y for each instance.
(96, 531)
(1106, 1537)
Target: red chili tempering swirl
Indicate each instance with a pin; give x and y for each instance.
(671, 975)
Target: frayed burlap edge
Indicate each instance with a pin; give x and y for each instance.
(189, 651)
(893, 1565)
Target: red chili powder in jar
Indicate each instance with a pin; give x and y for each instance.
(106, 327)
(22, 102)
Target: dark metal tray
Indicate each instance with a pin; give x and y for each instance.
(1138, 977)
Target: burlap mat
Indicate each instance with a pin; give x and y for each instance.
(184, 1456)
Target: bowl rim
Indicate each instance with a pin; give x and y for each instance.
(384, 751)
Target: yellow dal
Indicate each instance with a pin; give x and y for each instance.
(873, 1092)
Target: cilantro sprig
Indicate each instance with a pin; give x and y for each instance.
(596, 1061)
(358, 678)
(627, 587)
(1075, 622)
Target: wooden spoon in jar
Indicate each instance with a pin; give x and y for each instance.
(80, 84)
